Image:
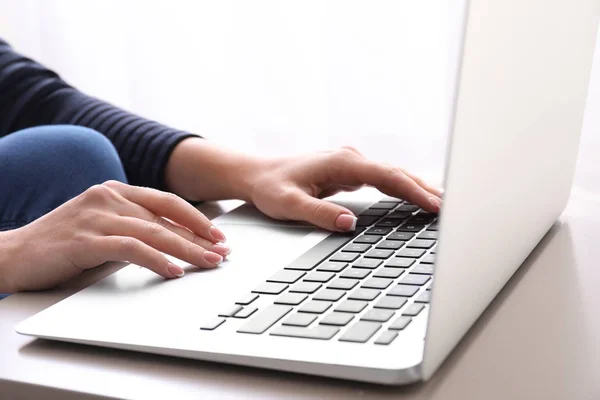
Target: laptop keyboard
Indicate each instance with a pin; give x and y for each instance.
(369, 283)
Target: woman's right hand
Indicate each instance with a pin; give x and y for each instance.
(109, 222)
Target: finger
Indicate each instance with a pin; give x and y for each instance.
(162, 239)
(322, 213)
(393, 182)
(170, 206)
(120, 248)
(431, 189)
(143, 214)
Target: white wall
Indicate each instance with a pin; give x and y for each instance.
(265, 76)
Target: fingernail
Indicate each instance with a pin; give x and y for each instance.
(221, 249)
(213, 258)
(436, 203)
(217, 234)
(346, 222)
(175, 270)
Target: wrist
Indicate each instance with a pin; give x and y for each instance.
(10, 247)
(199, 170)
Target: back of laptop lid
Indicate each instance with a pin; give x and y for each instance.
(519, 106)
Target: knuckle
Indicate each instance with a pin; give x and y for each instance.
(319, 209)
(112, 184)
(349, 149)
(98, 193)
(153, 228)
(171, 198)
(127, 245)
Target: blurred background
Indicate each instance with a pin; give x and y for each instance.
(270, 77)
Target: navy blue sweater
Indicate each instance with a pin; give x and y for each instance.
(32, 95)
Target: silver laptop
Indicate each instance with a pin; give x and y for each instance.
(389, 302)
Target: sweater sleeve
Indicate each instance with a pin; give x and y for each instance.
(32, 95)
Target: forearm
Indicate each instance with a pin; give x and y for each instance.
(199, 170)
(32, 95)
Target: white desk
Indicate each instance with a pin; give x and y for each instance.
(538, 339)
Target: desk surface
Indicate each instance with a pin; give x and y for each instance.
(538, 339)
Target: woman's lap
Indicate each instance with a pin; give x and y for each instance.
(43, 167)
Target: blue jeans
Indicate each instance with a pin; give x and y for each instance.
(43, 167)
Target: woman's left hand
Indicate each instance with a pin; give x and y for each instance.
(293, 188)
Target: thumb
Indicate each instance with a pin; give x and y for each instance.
(325, 214)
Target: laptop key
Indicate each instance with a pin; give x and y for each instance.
(306, 287)
(413, 310)
(429, 235)
(300, 319)
(368, 263)
(380, 254)
(357, 248)
(383, 206)
(245, 312)
(378, 315)
(428, 259)
(433, 227)
(424, 297)
(351, 306)
(369, 239)
(270, 288)
(317, 332)
(360, 332)
(388, 273)
(332, 266)
(373, 213)
(291, 299)
(389, 222)
(247, 299)
(410, 253)
(286, 276)
(212, 324)
(329, 295)
(390, 245)
(386, 337)
(400, 323)
(355, 273)
(421, 219)
(399, 214)
(378, 231)
(364, 294)
(376, 283)
(366, 220)
(337, 319)
(342, 284)
(425, 269)
(408, 208)
(344, 257)
(231, 311)
(322, 250)
(265, 319)
(414, 279)
(403, 236)
(319, 276)
(403, 290)
(391, 302)
(315, 307)
(400, 262)
(421, 244)
(411, 228)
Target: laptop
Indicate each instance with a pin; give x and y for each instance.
(388, 302)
